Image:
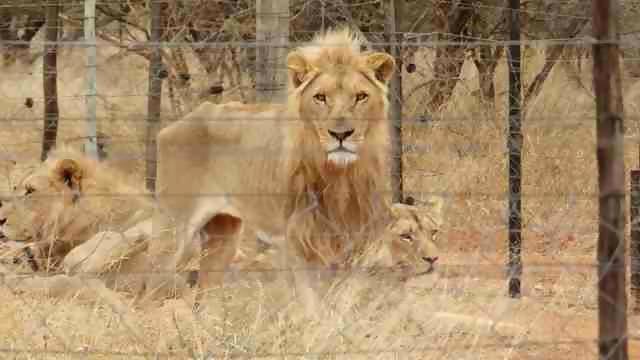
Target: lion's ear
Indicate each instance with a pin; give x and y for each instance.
(69, 172)
(399, 210)
(382, 65)
(433, 212)
(298, 68)
(394, 210)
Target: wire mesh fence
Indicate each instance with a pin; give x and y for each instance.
(157, 62)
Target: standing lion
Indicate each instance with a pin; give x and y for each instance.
(315, 169)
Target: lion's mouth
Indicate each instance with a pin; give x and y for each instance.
(431, 265)
(341, 156)
(409, 272)
(341, 149)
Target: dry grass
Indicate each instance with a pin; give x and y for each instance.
(463, 155)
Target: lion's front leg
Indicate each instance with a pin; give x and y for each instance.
(304, 281)
(305, 273)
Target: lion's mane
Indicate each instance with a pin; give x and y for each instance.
(344, 203)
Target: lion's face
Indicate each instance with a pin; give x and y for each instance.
(414, 237)
(338, 106)
(40, 196)
(343, 105)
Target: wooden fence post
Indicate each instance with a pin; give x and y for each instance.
(514, 145)
(50, 79)
(272, 35)
(634, 247)
(612, 297)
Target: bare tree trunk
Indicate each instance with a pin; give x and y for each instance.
(179, 82)
(34, 23)
(6, 33)
(552, 55)
(612, 296)
(210, 60)
(50, 80)
(486, 62)
(272, 33)
(179, 75)
(449, 60)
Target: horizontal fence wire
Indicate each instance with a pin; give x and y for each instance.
(353, 270)
(465, 42)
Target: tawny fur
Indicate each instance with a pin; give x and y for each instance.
(413, 236)
(67, 200)
(267, 164)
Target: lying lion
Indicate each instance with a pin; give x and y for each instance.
(315, 169)
(413, 234)
(69, 201)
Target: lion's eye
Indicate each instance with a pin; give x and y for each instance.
(320, 97)
(406, 237)
(29, 190)
(361, 97)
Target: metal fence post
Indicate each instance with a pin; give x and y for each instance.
(91, 143)
(514, 146)
(50, 79)
(155, 95)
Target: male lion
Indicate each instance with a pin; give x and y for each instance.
(64, 203)
(314, 169)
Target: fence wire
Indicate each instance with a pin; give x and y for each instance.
(454, 75)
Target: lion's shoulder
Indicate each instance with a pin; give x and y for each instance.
(234, 110)
(224, 124)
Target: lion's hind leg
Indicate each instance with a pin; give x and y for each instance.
(221, 240)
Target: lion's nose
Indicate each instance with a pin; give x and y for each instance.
(341, 135)
(430, 260)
